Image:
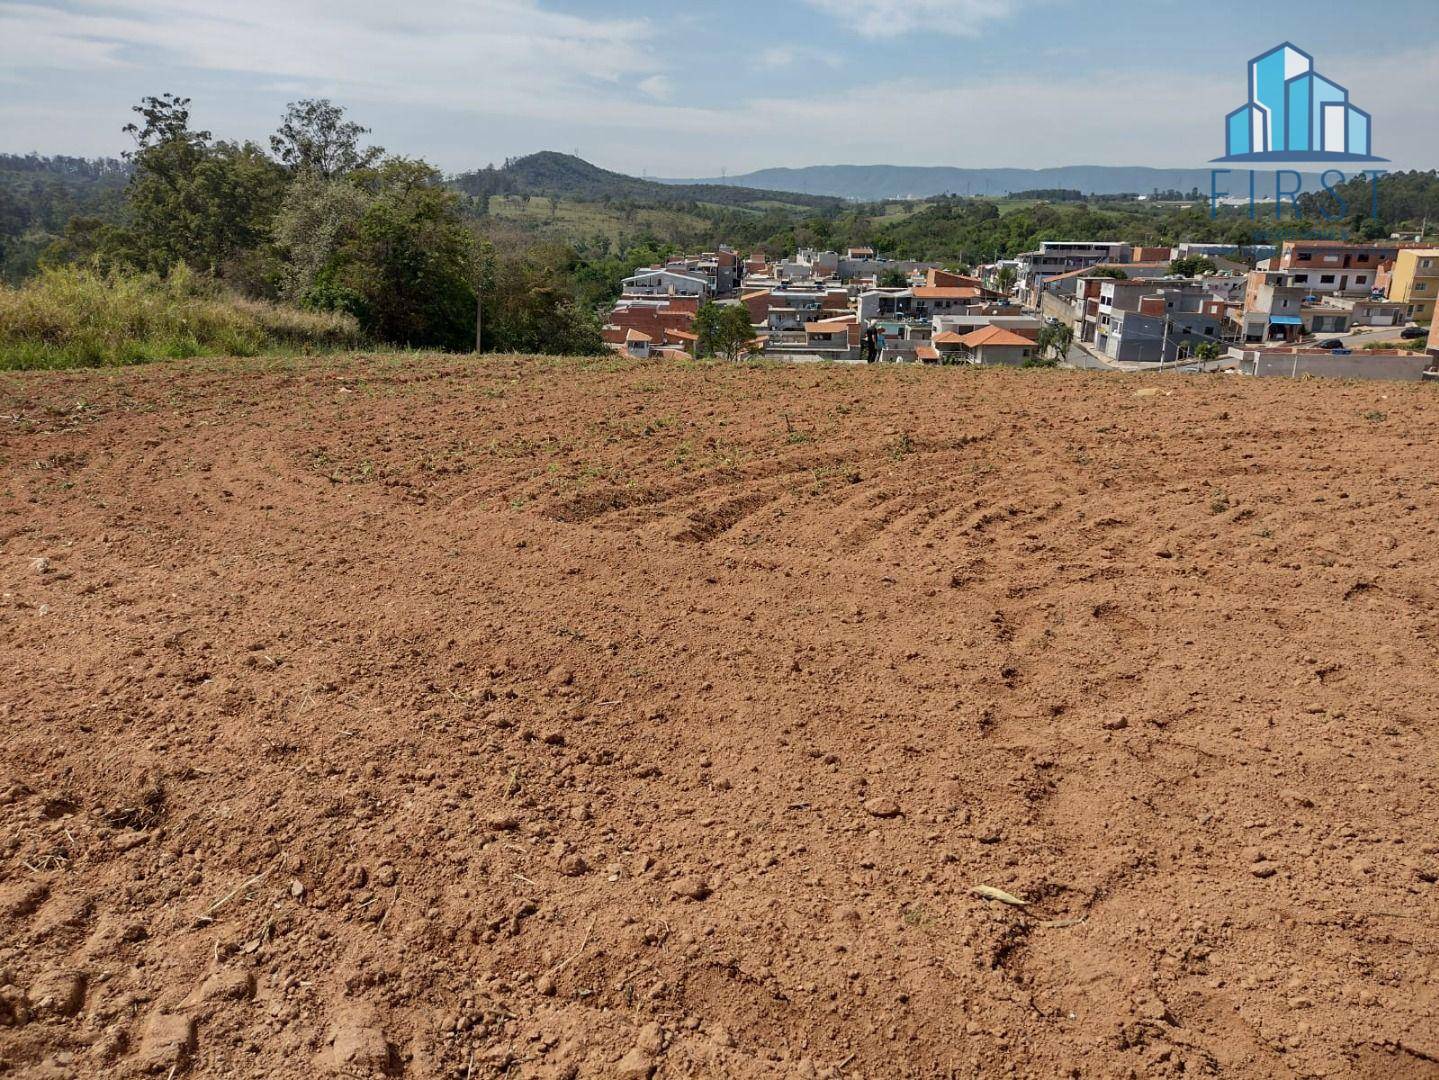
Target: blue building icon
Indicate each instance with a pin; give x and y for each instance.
(1295, 114)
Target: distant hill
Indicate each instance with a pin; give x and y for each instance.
(873, 182)
(567, 177)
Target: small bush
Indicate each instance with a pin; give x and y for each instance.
(73, 317)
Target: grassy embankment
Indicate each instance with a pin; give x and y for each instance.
(70, 317)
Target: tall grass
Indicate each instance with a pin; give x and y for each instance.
(72, 317)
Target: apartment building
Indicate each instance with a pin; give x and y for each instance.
(1056, 257)
(1149, 322)
(1415, 282)
(1331, 266)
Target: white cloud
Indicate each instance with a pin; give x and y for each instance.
(659, 87)
(515, 57)
(779, 57)
(892, 18)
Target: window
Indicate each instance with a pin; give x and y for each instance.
(1421, 286)
(1363, 258)
(1302, 279)
(1360, 280)
(1305, 256)
(1327, 279)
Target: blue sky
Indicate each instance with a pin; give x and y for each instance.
(693, 87)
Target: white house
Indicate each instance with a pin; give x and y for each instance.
(665, 283)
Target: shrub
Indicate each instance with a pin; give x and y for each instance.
(73, 317)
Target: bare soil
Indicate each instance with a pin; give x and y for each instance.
(433, 718)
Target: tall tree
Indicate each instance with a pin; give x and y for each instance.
(206, 205)
(314, 136)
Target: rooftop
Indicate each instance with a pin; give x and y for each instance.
(995, 335)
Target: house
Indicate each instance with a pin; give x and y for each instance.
(1331, 266)
(637, 344)
(1273, 307)
(1131, 319)
(721, 270)
(1372, 312)
(922, 302)
(659, 317)
(1324, 320)
(1154, 322)
(1024, 325)
(931, 300)
(665, 282)
(1067, 297)
(835, 340)
(789, 308)
(1415, 282)
(994, 345)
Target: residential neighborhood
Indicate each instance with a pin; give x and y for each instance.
(1110, 305)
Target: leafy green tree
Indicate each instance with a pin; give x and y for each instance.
(1005, 278)
(208, 206)
(408, 271)
(893, 279)
(1052, 345)
(1193, 266)
(1109, 272)
(1208, 350)
(316, 220)
(314, 136)
(723, 330)
(530, 305)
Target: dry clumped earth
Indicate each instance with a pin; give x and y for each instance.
(424, 717)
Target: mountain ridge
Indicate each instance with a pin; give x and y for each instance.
(549, 172)
(868, 183)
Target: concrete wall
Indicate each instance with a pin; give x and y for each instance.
(1326, 365)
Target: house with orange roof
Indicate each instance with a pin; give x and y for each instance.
(991, 345)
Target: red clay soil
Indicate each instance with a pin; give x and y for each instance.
(426, 717)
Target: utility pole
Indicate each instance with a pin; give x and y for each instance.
(479, 320)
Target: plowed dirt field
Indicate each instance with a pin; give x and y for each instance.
(436, 718)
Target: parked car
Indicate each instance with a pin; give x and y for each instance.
(1332, 343)
(1409, 333)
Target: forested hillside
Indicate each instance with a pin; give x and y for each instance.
(39, 196)
(562, 175)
